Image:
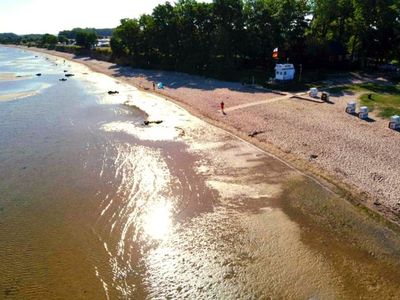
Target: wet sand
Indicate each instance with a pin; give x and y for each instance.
(173, 210)
(7, 76)
(296, 228)
(13, 76)
(15, 96)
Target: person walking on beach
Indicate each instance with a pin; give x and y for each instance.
(222, 107)
(154, 86)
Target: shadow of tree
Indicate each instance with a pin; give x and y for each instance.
(340, 91)
(316, 100)
(176, 80)
(382, 88)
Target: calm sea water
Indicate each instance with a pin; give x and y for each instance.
(51, 156)
(95, 205)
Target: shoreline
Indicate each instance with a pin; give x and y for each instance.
(348, 191)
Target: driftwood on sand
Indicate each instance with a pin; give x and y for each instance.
(254, 133)
(113, 92)
(152, 122)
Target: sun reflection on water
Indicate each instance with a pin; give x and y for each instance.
(157, 222)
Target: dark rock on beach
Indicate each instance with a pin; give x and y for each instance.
(152, 122)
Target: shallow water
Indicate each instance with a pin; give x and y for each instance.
(94, 205)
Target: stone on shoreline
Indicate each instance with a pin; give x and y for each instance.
(152, 122)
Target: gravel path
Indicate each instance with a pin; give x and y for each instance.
(364, 155)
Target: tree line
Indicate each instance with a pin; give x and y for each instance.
(228, 36)
(83, 37)
(231, 35)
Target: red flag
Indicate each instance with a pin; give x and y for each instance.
(275, 53)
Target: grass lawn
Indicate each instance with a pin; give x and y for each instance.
(386, 104)
(385, 99)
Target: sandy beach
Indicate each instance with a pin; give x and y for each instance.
(358, 159)
(176, 208)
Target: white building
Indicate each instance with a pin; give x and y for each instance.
(284, 72)
(103, 42)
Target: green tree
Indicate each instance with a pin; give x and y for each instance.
(364, 29)
(9, 38)
(48, 40)
(62, 39)
(259, 24)
(86, 38)
(129, 32)
(229, 33)
(148, 43)
(194, 33)
(166, 34)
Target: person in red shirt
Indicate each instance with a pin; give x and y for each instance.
(222, 107)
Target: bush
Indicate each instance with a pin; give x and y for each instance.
(103, 51)
(68, 48)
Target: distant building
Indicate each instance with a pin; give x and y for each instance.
(284, 72)
(103, 42)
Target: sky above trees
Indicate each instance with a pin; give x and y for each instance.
(50, 16)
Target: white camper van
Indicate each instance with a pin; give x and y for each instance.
(284, 72)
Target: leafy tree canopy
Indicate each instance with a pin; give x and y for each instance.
(86, 38)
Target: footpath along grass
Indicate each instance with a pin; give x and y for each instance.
(385, 99)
